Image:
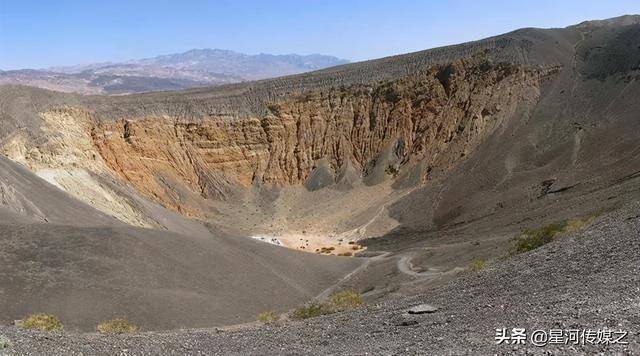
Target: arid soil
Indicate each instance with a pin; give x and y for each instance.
(61, 256)
(430, 161)
(585, 280)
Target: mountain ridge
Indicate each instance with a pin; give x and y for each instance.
(193, 68)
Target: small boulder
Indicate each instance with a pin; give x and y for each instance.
(422, 309)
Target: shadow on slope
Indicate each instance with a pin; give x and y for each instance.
(85, 274)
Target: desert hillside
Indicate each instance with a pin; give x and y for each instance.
(391, 177)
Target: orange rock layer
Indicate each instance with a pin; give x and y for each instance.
(436, 117)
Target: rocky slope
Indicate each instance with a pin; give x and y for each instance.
(397, 122)
(435, 117)
(583, 281)
(508, 102)
(434, 158)
(64, 257)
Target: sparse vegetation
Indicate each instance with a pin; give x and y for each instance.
(534, 238)
(41, 321)
(326, 250)
(478, 264)
(346, 300)
(577, 224)
(117, 326)
(311, 310)
(346, 254)
(268, 317)
(338, 302)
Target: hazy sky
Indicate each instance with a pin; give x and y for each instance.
(36, 34)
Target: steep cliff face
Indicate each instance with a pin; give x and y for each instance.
(417, 126)
(65, 156)
(437, 116)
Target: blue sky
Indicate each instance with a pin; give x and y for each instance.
(37, 34)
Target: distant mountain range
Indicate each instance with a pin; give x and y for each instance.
(194, 68)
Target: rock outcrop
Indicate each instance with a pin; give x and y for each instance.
(417, 126)
(437, 116)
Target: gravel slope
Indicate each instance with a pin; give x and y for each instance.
(61, 256)
(575, 154)
(582, 280)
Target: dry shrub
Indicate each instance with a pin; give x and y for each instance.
(478, 264)
(346, 300)
(338, 302)
(268, 317)
(117, 326)
(41, 321)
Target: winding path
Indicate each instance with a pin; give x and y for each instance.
(405, 266)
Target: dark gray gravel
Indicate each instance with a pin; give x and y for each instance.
(586, 280)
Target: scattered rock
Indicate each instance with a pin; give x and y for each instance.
(422, 309)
